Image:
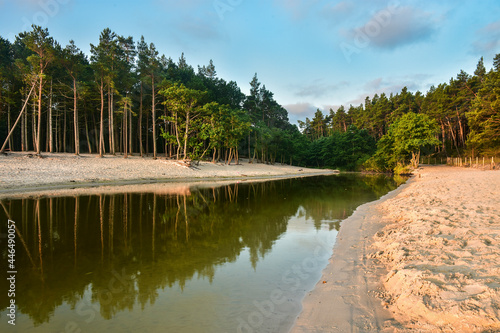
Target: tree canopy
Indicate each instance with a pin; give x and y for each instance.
(127, 98)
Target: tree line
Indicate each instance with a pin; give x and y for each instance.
(126, 98)
(461, 117)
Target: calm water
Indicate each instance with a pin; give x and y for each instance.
(235, 258)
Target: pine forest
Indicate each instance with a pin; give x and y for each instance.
(126, 98)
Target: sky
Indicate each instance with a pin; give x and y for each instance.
(311, 54)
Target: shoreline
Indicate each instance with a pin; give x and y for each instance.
(23, 174)
(425, 257)
(339, 302)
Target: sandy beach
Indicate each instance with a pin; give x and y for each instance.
(424, 258)
(23, 172)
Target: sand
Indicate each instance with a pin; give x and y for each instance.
(25, 173)
(424, 258)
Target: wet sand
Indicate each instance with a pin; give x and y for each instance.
(424, 258)
(26, 173)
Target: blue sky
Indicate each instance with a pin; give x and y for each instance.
(311, 54)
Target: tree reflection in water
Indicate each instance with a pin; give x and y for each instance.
(123, 248)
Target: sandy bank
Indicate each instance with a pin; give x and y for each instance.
(425, 258)
(22, 172)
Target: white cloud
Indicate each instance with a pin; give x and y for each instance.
(395, 26)
(317, 88)
(300, 109)
(488, 40)
(394, 85)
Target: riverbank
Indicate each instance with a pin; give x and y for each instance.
(424, 258)
(25, 172)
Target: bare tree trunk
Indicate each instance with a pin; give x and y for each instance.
(34, 136)
(65, 127)
(186, 134)
(11, 130)
(75, 120)
(101, 127)
(165, 128)
(51, 135)
(11, 146)
(462, 136)
(153, 113)
(40, 86)
(130, 132)
(453, 136)
(147, 136)
(111, 135)
(177, 135)
(125, 130)
(112, 118)
(57, 136)
(141, 149)
(23, 131)
(25, 135)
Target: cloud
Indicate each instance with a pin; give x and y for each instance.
(394, 85)
(395, 26)
(374, 84)
(300, 109)
(488, 40)
(326, 108)
(318, 88)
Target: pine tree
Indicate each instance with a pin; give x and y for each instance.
(42, 46)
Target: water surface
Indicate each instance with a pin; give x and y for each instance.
(233, 258)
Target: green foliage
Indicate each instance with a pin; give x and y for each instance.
(346, 151)
(199, 113)
(402, 144)
(484, 118)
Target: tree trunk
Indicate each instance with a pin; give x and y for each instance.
(75, 120)
(34, 136)
(453, 136)
(130, 132)
(141, 149)
(462, 136)
(95, 134)
(57, 136)
(51, 135)
(147, 132)
(177, 136)
(64, 130)
(25, 136)
(110, 118)
(11, 130)
(186, 134)
(23, 131)
(153, 114)
(39, 142)
(11, 146)
(125, 130)
(443, 133)
(101, 127)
